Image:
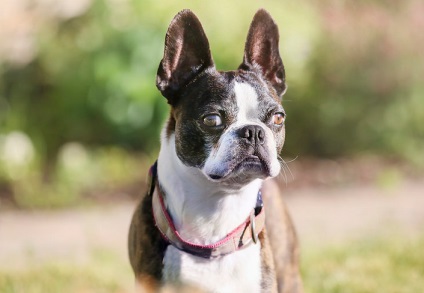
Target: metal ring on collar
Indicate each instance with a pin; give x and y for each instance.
(253, 228)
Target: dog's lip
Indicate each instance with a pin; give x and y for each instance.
(251, 160)
(216, 177)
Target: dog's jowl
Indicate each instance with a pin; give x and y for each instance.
(212, 218)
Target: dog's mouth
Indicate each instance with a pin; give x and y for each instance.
(248, 167)
(252, 163)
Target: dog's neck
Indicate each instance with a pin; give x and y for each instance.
(203, 211)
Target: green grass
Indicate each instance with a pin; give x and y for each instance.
(105, 272)
(383, 264)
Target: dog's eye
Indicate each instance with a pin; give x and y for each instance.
(212, 120)
(278, 118)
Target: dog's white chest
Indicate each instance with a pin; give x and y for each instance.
(236, 272)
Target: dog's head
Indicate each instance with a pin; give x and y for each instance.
(230, 125)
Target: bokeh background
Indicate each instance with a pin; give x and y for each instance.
(80, 118)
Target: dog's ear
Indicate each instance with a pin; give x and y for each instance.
(186, 54)
(261, 51)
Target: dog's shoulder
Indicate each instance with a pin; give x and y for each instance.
(146, 245)
(282, 238)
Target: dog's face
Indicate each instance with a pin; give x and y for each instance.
(230, 124)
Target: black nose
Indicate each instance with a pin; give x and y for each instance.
(253, 134)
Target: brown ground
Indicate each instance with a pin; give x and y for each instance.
(326, 209)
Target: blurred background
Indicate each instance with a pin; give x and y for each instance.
(80, 118)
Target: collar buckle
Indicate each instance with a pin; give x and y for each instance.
(253, 227)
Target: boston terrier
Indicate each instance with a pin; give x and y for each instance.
(212, 218)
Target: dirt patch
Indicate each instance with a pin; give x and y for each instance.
(329, 215)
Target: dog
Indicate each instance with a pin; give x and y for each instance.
(202, 226)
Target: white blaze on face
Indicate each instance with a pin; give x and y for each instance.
(247, 103)
(248, 114)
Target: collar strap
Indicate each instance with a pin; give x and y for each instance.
(240, 237)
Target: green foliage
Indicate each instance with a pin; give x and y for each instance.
(89, 83)
(354, 72)
(360, 94)
(81, 175)
(93, 78)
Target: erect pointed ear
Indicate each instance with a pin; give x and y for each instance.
(261, 50)
(186, 54)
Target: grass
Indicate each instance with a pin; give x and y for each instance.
(383, 264)
(105, 272)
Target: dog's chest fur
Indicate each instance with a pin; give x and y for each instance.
(237, 272)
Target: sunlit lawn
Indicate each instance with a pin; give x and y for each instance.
(388, 265)
(104, 272)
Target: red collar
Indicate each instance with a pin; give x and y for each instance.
(242, 236)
